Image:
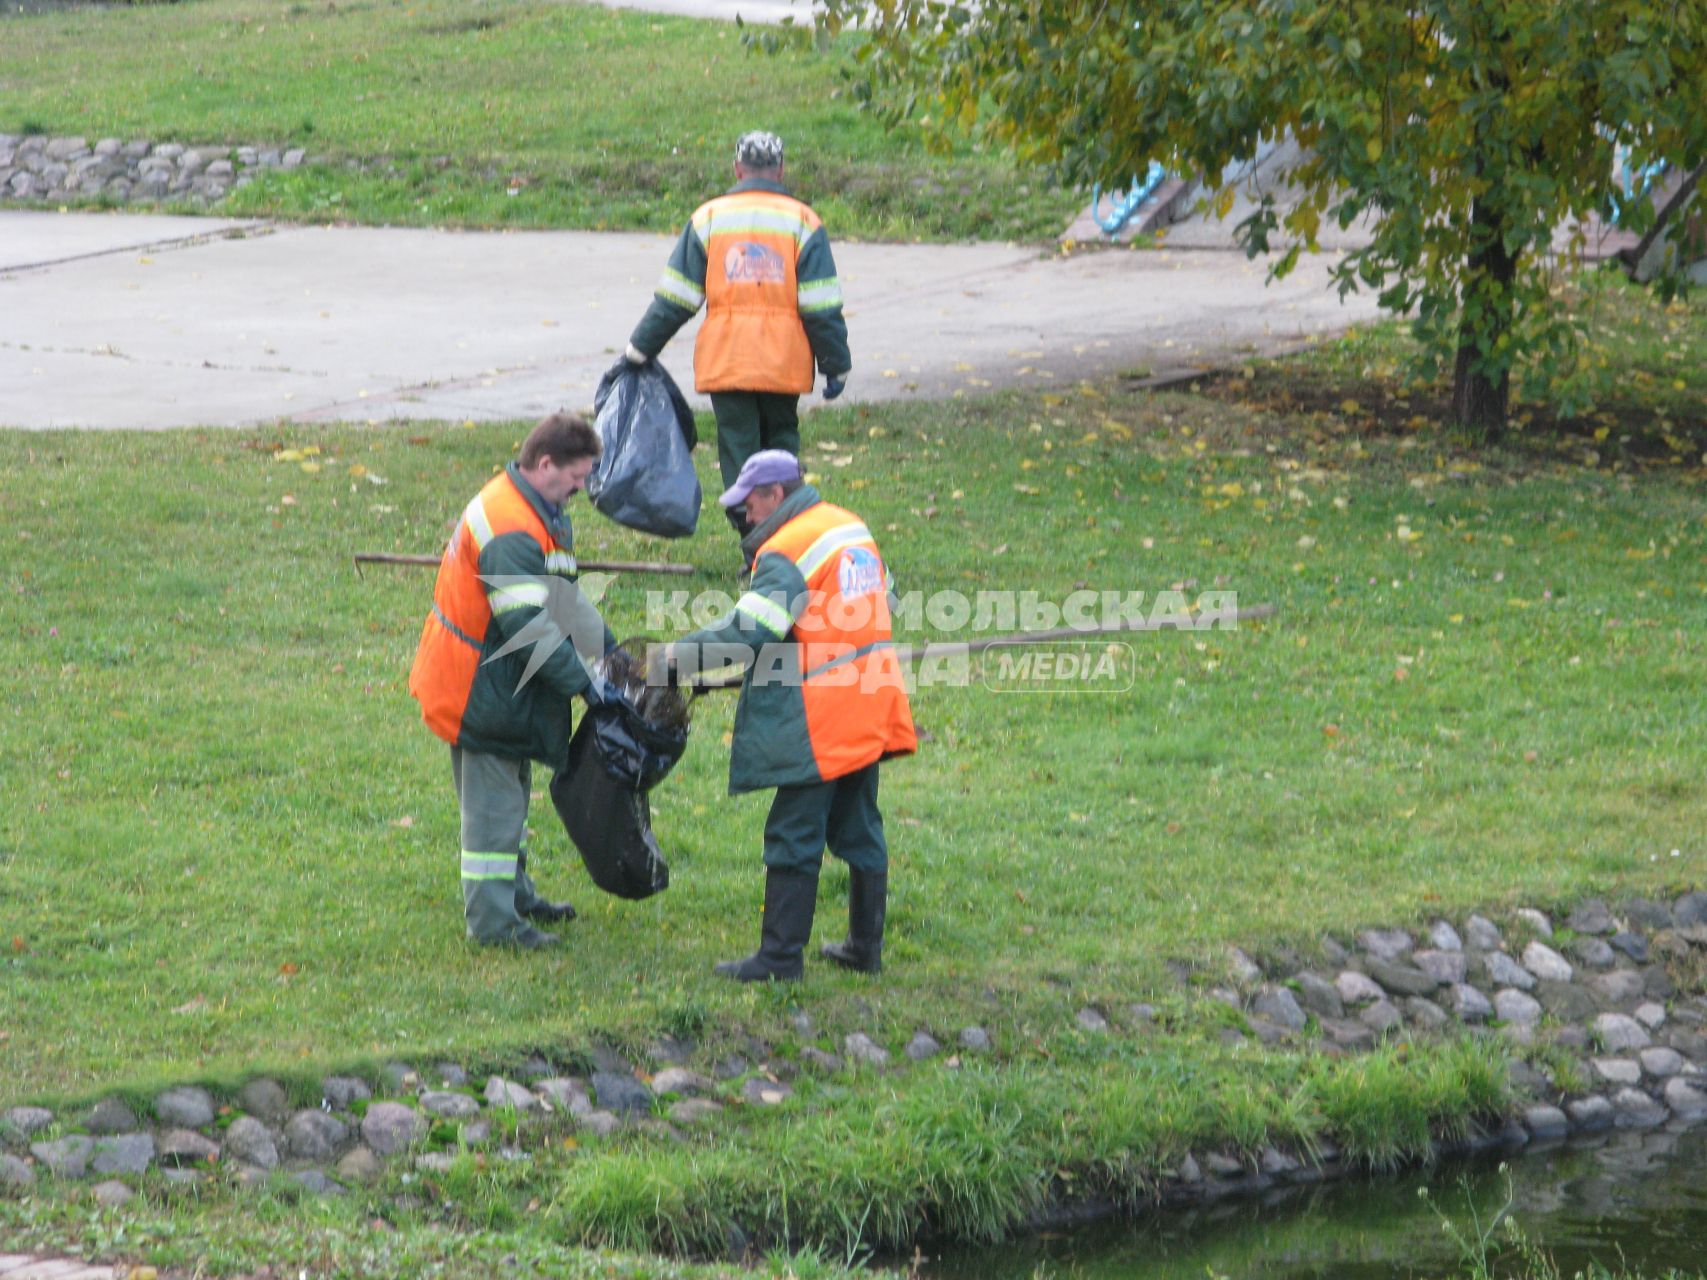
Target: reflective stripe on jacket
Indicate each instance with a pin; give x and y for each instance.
(472, 695)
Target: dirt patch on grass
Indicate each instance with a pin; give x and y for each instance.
(1625, 431)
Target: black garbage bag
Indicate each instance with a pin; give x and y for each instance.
(609, 822)
(636, 753)
(643, 730)
(621, 750)
(645, 477)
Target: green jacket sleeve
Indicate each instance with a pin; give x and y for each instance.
(763, 615)
(679, 295)
(512, 569)
(821, 306)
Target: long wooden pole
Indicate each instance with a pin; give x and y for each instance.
(955, 648)
(601, 566)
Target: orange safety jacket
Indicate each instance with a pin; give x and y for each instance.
(826, 697)
(752, 338)
(470, 695)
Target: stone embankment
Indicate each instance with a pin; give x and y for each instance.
(34, 168)
(1623, 1048)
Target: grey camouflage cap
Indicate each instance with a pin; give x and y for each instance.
(759, 150)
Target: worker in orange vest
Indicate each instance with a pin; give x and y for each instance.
(823, 702)
(758, 260)
(502, 652)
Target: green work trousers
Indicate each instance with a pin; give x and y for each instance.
(842, 815)
(493, 793)
(748, 421)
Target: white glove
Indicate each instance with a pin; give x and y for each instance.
(634, 355)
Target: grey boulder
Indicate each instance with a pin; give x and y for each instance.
(65, 1157)
(248, 1141)
(264, 1099)
(1618, 1033)
(122, 1153)
(185, 1147)
(1636, 1110)
(1402, 979)
(390, 1127)
(860, 1047)
(186, 1106)
(1591, 1114)
(622, 1094)
(1546, 1123)
(1503, 971)
(110, 1116)
(1279, 1005)
(314, 1135)
(15, 1172)
(1546, 963)
(1687, 1102)
(451, 1106)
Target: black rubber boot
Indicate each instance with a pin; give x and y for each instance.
(868, 893)
(530, 906)
(789, 903)
(550, 912)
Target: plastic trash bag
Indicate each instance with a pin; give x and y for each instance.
(635, 753)
(640, 737)
(620, 751)
(609, 822)
(645, 477)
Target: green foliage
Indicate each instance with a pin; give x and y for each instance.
(480, 1193)
(1387, 1108)
(1470, 131)
(1498, 1246)
(632, 1201)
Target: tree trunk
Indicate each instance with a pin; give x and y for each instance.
(1479, 403)
(1481, 391)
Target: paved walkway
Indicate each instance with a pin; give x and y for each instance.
(770, 11)
(18, 1267)
(128, 320)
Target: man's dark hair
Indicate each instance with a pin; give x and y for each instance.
(791, 486)
(563, 437)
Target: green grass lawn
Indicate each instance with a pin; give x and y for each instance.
(229, 847)
(227, 833)
(595, 118)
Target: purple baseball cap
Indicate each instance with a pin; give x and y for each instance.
(767, 466)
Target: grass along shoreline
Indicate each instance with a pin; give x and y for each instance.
(969, 1149)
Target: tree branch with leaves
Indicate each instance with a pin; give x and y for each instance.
(1471, 135)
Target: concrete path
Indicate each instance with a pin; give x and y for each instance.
(21, 1267)
(111, 320)
(766, 11)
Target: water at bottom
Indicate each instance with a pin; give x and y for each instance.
(1629, 1200)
